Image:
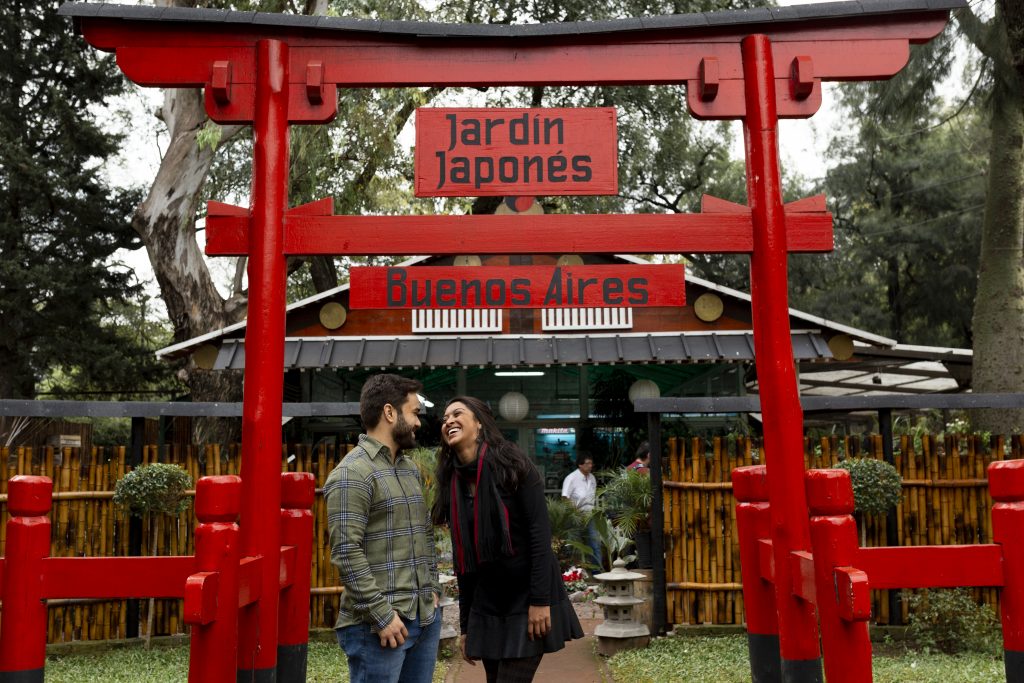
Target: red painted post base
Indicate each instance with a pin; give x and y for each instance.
(1006, 484)
(750, 487)
(298, 493)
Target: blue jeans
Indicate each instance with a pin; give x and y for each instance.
(411, 662)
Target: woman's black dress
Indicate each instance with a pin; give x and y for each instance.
(494, 600)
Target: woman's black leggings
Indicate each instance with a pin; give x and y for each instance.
(511, 670)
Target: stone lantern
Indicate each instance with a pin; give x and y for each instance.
(449, 634)
(620, 630)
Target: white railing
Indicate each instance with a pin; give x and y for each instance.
(554, 319)
(432, 320)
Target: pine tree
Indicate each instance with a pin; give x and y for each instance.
(59, 221)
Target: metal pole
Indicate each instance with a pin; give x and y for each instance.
(891, 538)
(660, 600)
(264, 378)
(780, 400)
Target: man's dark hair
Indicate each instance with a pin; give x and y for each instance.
(643, 451)
(380, 390)
(582, 457)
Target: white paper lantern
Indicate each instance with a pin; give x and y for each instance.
(513, 406)
(643, 388)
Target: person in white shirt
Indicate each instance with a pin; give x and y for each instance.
(581, 488)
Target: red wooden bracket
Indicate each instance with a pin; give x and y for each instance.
(287, 574)
(853, 594)
(750, 483)
(200, 606)
(220, 82)
(801, 568)
(116, 577)
(711, 204)
(249, 586)
(766, 559)
(932, 566)
(709, 78)
(315, 82)
(802, 77)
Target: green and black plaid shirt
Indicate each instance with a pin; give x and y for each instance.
(382, 540)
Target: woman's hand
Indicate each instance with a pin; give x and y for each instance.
(462, 649)
(540, 621)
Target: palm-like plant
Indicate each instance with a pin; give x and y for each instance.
(626, 498)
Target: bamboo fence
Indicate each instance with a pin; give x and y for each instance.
(945, 502)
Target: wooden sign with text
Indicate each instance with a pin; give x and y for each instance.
(460, 287)
(524, 152)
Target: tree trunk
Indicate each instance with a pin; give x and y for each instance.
(999, 307)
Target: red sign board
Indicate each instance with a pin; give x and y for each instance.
(527, 152)
(459, 287)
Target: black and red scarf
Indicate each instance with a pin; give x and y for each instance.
(480, 534)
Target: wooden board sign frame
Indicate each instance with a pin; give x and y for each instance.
(489, 152)
(460, 287)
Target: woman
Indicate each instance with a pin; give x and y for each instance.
(512, 603)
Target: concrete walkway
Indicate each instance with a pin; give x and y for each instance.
(577, 663)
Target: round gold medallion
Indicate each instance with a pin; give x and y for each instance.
(708, 307)
(333, 315)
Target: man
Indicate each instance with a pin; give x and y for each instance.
(581, 488)
(382, 543)
(642, 464)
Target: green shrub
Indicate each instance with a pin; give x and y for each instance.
(155, 488)
(877, 486)
(626, 499)
(951, 621)
(568, 526)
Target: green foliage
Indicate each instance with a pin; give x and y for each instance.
(877, 486)
(60, 221)
(614, 540)
(426, 461)
(951, 621)
(157, 488)
(626, 499)
(159, 665)
(725, 659)
(568, 527)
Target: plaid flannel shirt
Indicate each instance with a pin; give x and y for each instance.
(382, 541)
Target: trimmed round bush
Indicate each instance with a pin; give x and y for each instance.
(877, 486)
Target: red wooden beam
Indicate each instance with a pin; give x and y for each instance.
(518, 234)
(801, 564)
(116, 577)
(932, 566)
(249, 586)
(288, 554)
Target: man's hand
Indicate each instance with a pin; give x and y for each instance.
(437, 601)
(462, 649)
(394, 633)
(540, 621)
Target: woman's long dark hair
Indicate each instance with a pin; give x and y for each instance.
(511, 465)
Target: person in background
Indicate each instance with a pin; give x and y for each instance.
(382, 543)
(642, 463)
(513, 606)
(581, 488)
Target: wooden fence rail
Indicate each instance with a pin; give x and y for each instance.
(945, 501)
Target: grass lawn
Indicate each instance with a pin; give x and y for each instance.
(167, 664)
(724, 660)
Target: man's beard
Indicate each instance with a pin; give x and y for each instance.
(403, 434)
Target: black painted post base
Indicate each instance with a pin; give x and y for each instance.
(257, 676)
(802, 671)
(1014, 662)
(291, 663)
(29, 676)
(765, 665)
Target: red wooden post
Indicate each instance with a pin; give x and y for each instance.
(844, 604)
(23, 622)
(211, 594)
(264, 378)
(298, 491)
(1006, 483)
(780, 400)
(750, 488)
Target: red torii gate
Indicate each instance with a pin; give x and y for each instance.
(272, 71)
